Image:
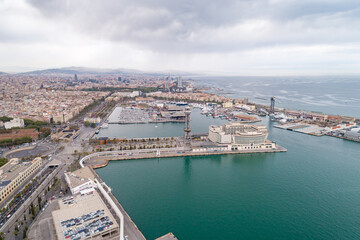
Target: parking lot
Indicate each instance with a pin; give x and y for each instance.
(83, 216)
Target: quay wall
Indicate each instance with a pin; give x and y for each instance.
(97, 161)
(138, 233)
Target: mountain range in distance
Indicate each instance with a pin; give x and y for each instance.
(85, 70)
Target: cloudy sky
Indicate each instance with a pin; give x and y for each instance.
(235, 37)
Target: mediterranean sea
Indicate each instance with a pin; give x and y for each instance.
(327, 94)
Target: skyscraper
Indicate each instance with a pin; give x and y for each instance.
(179, 82)
(75, 78)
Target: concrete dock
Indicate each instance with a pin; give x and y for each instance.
(303, 128)
(169, 236)
(101, 159)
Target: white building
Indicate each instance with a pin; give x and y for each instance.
(246, 107)
(127, 94)
(16, 122)
(227, 104)
(92, 120)
(80, 180)
(239, 136)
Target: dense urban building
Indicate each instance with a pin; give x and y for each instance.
(14, 173)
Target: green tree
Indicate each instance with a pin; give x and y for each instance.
(44, 132)
(6, 119)
(39, 202)
(24, 233)
(3, 161)
(16, 230)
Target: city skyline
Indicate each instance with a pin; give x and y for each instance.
(231, 38)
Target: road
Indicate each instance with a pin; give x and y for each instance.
(41, 148)
(10, 224)
(42, 228)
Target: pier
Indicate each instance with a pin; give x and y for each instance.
(101, 159)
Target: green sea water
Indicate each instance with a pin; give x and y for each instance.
(310, 192)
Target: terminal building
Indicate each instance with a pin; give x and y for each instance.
(239, 136)
(14, 173)
(80, 180)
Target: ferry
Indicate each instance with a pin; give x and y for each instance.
(105, 125)
(181, 104)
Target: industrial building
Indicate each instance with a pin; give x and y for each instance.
(14, 173)
(239, 136)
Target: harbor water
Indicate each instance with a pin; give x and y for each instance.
(200, 124)
(310, 192)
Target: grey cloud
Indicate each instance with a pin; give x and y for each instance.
(195, 25)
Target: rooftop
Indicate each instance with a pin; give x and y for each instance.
(77, 207)
(80, 176)
(12, 169)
